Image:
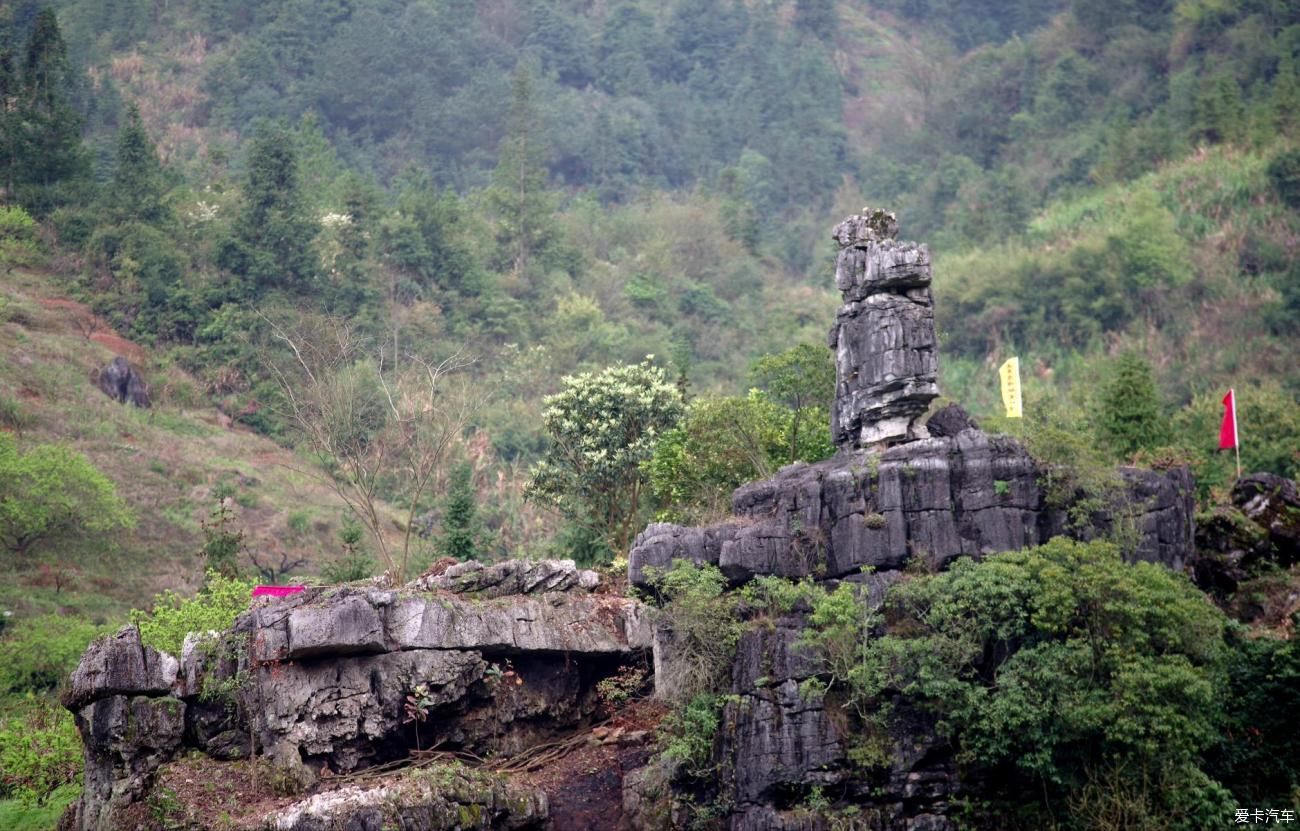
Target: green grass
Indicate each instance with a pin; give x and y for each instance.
(16, 816)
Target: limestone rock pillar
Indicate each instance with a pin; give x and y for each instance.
(883, 337)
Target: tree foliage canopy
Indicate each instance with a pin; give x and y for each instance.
(603, 426)
(52, 496)
(1059, 669)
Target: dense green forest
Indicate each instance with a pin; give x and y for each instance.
(459, 228)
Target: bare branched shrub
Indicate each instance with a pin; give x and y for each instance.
(380, 419)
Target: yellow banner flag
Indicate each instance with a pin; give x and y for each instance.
(1010, 374)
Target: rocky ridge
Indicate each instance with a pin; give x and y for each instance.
(902, 490)
(326, 682)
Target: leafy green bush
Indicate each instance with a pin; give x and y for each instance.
(1284, 173)
(720, 444)
(702, 625)
(16, 815)
(37, 654)
(173, 617)
(1049, 668)
(18, 245)
(1254, 756)
(777, 595)
(12, 415)
(687, 735)
(40, 750)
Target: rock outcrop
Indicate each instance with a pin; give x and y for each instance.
(883, 337)
(1260, 529)
(495, 659)
(935, 499)
(1273, 504)
(900, 490)
(120, 381)
(336, 680)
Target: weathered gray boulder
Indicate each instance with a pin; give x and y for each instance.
(344, 678)
(556, 623)
(120, 381)
(1261, 526)
(780, 739)
(441, 798)
(126, 739)
(119, 664)
(937, 498)
(662, 542)
(1273, 503)
(950, 421)
(872, 225)
(341, 712)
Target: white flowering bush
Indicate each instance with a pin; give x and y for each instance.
(602, 427)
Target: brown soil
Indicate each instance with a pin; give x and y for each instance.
(198, 792)
(120, 346)
(79, 317)
(585, 789)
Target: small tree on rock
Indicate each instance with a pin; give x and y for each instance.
(462, 531)
(803, 378)
(1129, 408)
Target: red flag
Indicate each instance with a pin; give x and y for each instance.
(1228, 429)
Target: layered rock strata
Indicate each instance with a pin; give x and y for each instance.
(325, 681)
(883, 337)
(935, 499)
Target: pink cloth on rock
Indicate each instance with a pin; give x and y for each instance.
(276, 591)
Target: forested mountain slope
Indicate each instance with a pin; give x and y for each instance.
(557, 186)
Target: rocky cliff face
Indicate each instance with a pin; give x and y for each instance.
(902, 490)
(495, 658)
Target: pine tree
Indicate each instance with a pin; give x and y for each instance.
(1129, 417)
(270, 243)
(9, 118)
(462, 532)
(43, 139)
(1286, 94)
(519, 195)
(136, 191)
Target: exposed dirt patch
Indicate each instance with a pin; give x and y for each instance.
(78, 317)
(119, 345)
(585, 788)
(198, 792)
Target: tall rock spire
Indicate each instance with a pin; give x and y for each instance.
(883, 337)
